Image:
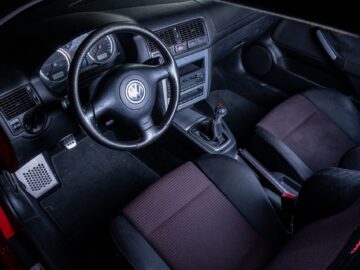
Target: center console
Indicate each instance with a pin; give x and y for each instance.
(208, 131)
(194, 78)
(188, 42)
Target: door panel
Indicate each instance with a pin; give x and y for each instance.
(294, 59)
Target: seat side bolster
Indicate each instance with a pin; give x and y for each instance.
(339, 109)
(326, 193)
(242, 188)
(277, 156)
(134, 247)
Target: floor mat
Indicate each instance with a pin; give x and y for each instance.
(242, 115)
(96, 183)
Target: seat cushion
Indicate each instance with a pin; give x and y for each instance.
(191, 224)
(318, 126)
(188, 221)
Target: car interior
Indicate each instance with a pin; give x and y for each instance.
(177, 134)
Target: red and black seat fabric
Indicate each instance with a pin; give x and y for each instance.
(308, 132)
(214, 214)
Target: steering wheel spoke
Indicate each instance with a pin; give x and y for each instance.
(89, 114)
(147, 128)
(159, 72)
(100, 107)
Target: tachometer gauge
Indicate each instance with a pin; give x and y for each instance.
(56, 68)
(102, 50)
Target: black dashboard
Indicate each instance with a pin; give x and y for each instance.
(33, 74)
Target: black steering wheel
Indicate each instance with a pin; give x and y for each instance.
(126, 93)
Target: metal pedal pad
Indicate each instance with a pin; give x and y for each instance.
(69, 141)
(37, 176)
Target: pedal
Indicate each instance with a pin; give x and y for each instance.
(37, 176)
(69, 142)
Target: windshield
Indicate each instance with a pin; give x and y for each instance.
(9, 5)
(10, 8)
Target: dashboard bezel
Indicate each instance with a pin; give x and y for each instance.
(58, 88)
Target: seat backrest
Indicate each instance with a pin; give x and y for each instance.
(308, 131)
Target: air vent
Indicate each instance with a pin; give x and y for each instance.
(16, 103)
(181, 33)
(152, 46)
(191, 29)
(167, 35)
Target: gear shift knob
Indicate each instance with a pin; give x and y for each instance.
(220, 111)
(216, 125)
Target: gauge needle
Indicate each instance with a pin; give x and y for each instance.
(51, 69)
(97, 50)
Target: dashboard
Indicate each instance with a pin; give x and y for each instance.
(34, 112)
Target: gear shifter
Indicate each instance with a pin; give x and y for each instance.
(213, 131)
(216, 124)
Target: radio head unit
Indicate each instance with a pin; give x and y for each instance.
(194, 79)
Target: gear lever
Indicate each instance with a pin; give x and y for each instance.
(216, 124)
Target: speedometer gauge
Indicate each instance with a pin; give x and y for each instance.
(56, 68)
(102, 50)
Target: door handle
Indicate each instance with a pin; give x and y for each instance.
(329, 48)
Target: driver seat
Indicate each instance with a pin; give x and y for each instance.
(214, 214)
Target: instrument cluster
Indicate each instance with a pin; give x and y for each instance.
(54, 71)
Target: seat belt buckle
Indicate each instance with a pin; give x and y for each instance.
(288, 202)
(288, 196)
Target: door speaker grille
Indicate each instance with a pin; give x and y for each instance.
(37, 176)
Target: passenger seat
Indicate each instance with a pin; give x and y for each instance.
(308, 132)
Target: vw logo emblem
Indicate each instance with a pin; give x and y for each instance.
(135, 91)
